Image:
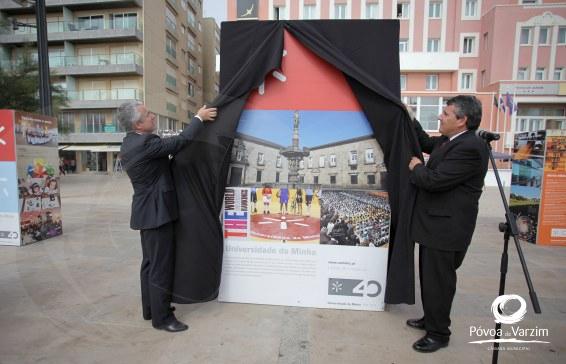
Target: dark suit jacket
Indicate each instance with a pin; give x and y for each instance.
(145, 157)
(449, 187)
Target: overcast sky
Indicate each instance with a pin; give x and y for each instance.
(215, 9)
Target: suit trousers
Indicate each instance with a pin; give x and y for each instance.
(156, 274)
(437, 271)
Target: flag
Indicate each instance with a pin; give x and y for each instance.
(501, 103)
(236, 223)
(495, 103)
(510, 104)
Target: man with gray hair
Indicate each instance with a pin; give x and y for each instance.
(145, 157)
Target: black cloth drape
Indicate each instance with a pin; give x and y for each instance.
(366, 52)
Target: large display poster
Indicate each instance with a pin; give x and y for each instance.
(38, 181)
(33, 192)
(306, 220)
(9, 213)
(526, 182)
(552, 221)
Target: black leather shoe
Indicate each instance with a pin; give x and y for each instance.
(428, 344)
(173, 326)
(416, 323)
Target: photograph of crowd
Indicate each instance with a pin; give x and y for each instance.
(356, 218)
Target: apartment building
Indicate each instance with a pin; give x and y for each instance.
(211, 59)
(106, 52)
(508, 50)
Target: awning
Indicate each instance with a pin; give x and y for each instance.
(90, 148)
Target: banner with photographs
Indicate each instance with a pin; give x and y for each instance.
(306, 219)
(34, 182)
(552, 220)
(538, 187)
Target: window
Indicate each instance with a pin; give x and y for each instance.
(260, 160)
(540, 73)
(431, 82)
(93, 122)
(309, 162)
(301, 164)
(433, 45)
(124, 21)
(191, 19)
(170, 80)
(279, 13)
(529, 124)
(279, 162)
(309, 12)
(332, 180)
(332, 160)
(466, 82)
(192, 66)
(91, 22)
(426, 110)
(403, 45)
(353, 160)
(353, 179)
(170, 19)
(321, 162)
(468, 46)
(543, 35)
(191, 89)
(277, 176)
(371, 179)
(403, 10)
(258, 176)
(558, 73)
(522, 73)
(340, 11)
(525, 2)
(372, 11)
(66, 122)
(191, 42)
(239, 155)
(525, 36)
(562, 35)
(403, 82)
(171, 107)
(171, 46)
(434, 9)
(369, 156)
(315, 180)
(483, 79)
(471, 8)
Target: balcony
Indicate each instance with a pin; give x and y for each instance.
(77, 32)
(434, 62)
(99, 64)
(102, 99)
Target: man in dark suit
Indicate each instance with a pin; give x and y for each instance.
(145, 157)
(444, 217)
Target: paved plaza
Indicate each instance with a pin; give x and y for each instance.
(75, 299)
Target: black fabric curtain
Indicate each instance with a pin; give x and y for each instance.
(366, 52)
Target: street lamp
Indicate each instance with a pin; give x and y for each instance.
(42, 52)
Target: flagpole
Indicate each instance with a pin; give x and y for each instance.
(497, 121)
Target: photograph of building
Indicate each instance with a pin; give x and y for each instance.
(330, 149)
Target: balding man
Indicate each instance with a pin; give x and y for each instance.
(145, 157)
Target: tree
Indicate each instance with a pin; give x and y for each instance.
(19, 86)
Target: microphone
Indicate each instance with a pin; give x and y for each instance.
(487, 135)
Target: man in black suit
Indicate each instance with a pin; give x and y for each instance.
(145, 157)
(444, 217)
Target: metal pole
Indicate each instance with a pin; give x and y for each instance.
(43, 57)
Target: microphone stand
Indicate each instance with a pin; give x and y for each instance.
(509, 228)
